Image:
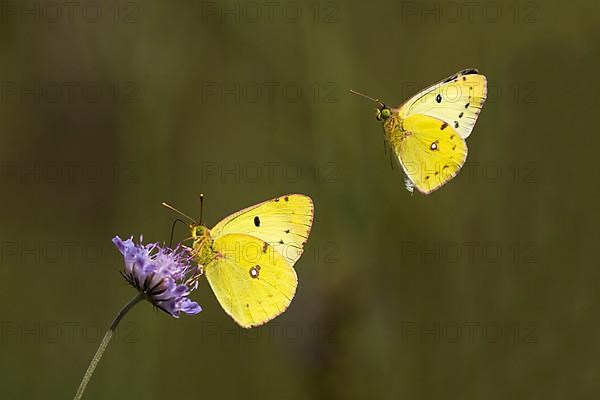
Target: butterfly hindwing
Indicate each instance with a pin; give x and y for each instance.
(283, 222)
(252, 282)
(430, 151)
(457, 100)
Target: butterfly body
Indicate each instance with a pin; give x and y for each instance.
(202, 244)
(248, 257)
(427, 133)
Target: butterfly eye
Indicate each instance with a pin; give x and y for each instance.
(197, 232)
(386, 113)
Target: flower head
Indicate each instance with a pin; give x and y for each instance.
(160, 273)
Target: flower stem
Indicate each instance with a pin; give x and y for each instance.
(105, 340)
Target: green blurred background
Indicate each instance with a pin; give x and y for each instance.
(487, 288)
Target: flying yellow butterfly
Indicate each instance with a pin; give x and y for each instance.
(428, 132)
(248, 257)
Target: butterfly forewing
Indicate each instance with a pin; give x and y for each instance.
(457, 100)
(283, 222)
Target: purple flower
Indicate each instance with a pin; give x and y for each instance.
(160, 273)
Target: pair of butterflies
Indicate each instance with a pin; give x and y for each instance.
(248, 257)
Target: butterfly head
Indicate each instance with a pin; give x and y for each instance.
(199, 232)
(382, 112)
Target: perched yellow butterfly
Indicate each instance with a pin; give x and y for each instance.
(428, 132)
(248, 257)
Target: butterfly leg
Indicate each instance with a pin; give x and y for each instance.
(193, 281)
(385, 151)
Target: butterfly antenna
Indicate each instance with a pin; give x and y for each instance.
(201, 205)
(170, 207)
(366, 97)
(173, 230)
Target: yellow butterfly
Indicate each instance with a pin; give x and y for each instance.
(248, 257)
(428, 132)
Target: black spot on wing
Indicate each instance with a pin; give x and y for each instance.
(254, 272)
(444, 126)
(438, 98)
(256, 221)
